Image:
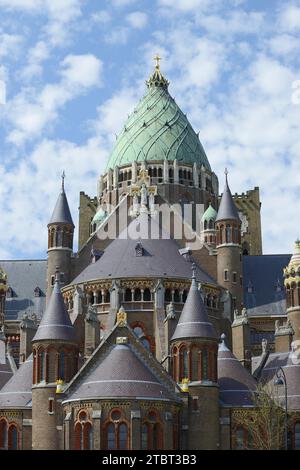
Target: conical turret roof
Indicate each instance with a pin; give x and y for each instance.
(61, 213)
(157, 130)
(193, 321)
(227, 209)
(236, 383)
(56, 323)
(16, 393)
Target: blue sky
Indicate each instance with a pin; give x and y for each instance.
(74, 69)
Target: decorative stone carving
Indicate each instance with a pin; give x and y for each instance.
(170, 311)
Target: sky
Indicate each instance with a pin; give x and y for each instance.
(72, 70)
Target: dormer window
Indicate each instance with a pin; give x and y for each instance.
(139, 250)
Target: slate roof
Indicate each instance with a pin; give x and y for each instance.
(263, 274)
(122, 373)
(17, 391)
(161, 259)
(23, 276)
(5, 374)
(193, 321)
(291, 369)
(227, 209)
(236, 383)
(61, 213)
(56, 323)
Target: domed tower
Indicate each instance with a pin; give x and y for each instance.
(292, 287)
(60, 241)
(159, 146)
(98, 218)
(55, 357)
(229, 258)
(194, 348)
(3, 290)
(208, 231)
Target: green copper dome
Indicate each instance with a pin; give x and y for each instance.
(209, 214)
(157, 130)
(99, 216)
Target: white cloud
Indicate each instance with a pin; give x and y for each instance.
(28, 212)
(283, 44)
(9, 44)
(137, 19)
(101, 17)
(35, 57)
(29, 112)
(117, 35)
(289, 19)
(122, 3)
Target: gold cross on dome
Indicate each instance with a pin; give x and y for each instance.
(157, 58)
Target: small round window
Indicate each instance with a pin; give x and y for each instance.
(115, 415)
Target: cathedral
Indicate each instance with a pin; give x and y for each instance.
(157, 332)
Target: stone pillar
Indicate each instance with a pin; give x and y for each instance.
(176, 173)
(92, 331)
(67, 431)
(203, 177)
(283, 336)
(241, 338)
(27, 331)
(166, 171)
(195, 175)
(109, 179)
(136, 430)
(116, 177)
(100, 186)
(115, 295)
(134, 172)
(97, 429)
(168, 431)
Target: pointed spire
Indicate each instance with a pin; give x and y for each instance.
(61, 213)
(56, 323)
(157, 79)
(227, 209)
(193, 321)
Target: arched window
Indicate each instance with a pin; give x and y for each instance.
(155, 172)
(137, 295)
(204, 364)
(3, 434)
(111, 441)
(106, 297)
(41, 365)
(128, 295)
(297, 436)
(61, 366)
(12, 437)
(159, 172)
(147, 295)
(87, 436)
(152, 432)
(145, 436)
(99, 297)
(184, 366)
(168, 295)
(174, 362)
(228, 233)
(211, 224)
(122, 436)
(116, 432)
(205, 224)
(83, 433)
(240, 438)
(195, 364)
(176, 295)
(184, 296)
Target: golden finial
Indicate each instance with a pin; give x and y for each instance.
(121, 317)
(157, 58)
